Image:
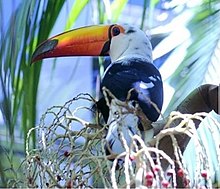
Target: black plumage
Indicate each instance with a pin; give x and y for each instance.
(137, 74)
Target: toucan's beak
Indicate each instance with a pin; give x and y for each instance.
(86, 41)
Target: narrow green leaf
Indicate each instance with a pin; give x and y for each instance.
(143, 14)
(153, 4)
(117, 7)
(77, 8)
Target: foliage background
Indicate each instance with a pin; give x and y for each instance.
(185, 63)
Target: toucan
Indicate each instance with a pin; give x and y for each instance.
(131, 71)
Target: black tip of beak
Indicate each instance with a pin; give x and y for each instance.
(42, 49)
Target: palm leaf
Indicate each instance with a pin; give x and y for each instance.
(116, 8)
(31, 25)
(77, 8)
(197, 66)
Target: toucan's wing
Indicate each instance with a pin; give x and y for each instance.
(144, 77)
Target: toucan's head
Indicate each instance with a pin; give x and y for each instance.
(118, 41)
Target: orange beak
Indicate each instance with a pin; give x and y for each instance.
(85, 41)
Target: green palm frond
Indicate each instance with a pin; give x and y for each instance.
(76, 9)
(201, 60)
(116, 8)
(29, 25)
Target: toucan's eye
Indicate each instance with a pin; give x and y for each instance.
(115, 31)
